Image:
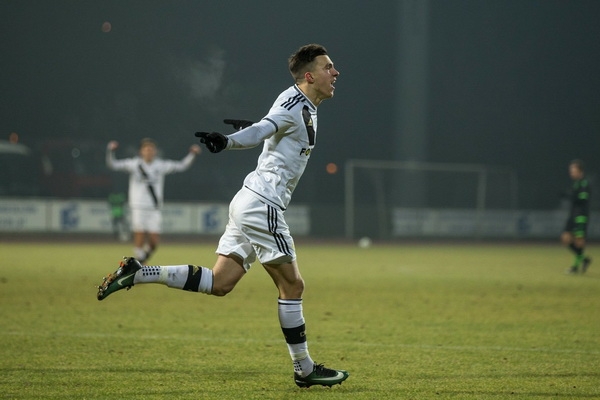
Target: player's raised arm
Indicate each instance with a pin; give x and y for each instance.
(246, 138)
(215, 142)
(195, 149)
(238, 124)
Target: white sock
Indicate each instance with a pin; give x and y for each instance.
(148, 274)
(186, 277)
(293, 328)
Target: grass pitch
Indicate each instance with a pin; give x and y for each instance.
(419, 321)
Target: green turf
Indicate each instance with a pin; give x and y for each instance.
(419, 321)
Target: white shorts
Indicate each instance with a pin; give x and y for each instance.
(143, 220)
(256, 229)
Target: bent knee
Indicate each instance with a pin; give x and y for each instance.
(292, 290)
(299, 285)
(221, 290)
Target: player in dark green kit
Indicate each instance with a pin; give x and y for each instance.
(117, 202)
(576, 226)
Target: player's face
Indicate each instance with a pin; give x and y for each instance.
(148, 152)
(574, 172)
(324, 76)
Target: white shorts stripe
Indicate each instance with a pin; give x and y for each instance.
(256, 230)
(278, 237)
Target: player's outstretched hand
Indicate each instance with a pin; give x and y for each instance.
(238, 123)
(214, 141)
(195, 149)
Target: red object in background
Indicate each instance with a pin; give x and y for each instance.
(74, 169)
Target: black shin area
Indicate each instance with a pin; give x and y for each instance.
(575, 249)
(295, 335)
(193, 279)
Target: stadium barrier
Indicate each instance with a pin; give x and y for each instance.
(87, 216)
(489, 224)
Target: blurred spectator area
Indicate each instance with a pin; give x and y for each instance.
(56, 168)
(19, 170)
(71, 168)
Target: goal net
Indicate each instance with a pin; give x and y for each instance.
(374, 189)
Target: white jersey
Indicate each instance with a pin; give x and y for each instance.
(147, 180)
(289, 133)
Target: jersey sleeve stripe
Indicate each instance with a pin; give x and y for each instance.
(292, 101)
(273, 122)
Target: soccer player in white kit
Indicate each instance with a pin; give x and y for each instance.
(257, 227)
(146, 191)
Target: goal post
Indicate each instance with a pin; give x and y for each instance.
(377, 187)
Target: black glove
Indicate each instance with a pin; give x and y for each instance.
(214, 141)
(238, 123)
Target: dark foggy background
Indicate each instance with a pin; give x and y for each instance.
(512, 83)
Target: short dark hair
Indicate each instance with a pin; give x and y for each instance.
(147, 142)
(578, 163)
(300, 62)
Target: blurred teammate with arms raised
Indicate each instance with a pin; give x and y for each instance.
(146, 191)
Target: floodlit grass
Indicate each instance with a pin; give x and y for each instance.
(419, 321)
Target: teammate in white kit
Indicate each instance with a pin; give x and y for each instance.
(257, 227)
(146, 191)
